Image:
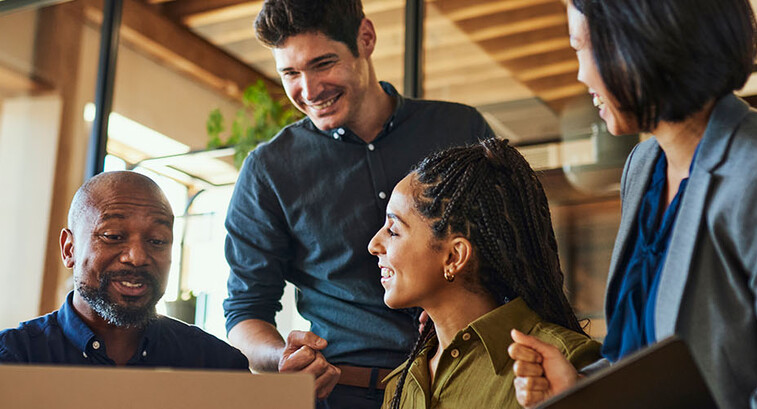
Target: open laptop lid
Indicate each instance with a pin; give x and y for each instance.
(64, 387)
(662, 376)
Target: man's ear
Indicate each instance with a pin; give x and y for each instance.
(460, 253)
(67, 247)
(366, 38)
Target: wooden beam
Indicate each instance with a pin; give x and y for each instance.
(538, 60)
(203, 12)
(563, 92)
(189, 8)
(13, 83)
(56, 60)
(512, 17)
(546, 84)
(227, 32)
(177, 47)
(247, 10)
(532, 39)
(457, 10)
(549, 70)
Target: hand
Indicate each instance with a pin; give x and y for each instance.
(302, 354)
(422, 320)
(541, 371)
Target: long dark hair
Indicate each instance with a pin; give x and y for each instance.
(665, 59)
(489, 194)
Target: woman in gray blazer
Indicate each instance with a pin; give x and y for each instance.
(685, 259)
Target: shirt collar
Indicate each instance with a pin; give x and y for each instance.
(494, 328)
(72, 325)
(398, 115)
(82, 336)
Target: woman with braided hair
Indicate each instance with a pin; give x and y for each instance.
(468, 238)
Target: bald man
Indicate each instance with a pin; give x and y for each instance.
(118, 244)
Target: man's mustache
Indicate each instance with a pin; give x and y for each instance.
(139, 276)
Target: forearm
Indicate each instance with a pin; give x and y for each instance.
(260, 342)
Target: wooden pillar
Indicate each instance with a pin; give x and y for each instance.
(56, 62)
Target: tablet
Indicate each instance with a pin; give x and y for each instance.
(662, 376)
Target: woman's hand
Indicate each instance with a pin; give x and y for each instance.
(541, 371)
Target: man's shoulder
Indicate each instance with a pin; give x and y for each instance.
(290, 142)
(448, 120)
(289, 137)
(31, 328)
(442, 106)
(14, 341)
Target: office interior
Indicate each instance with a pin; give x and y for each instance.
(178, 60)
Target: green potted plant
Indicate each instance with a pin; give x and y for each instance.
(260, 119)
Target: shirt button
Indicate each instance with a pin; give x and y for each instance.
(455, 353)
(336, 135)
(382, 195)
(466, 336)
(84, 354)
(144, 353)
(96, 345)
(371, 147)
(340, 131)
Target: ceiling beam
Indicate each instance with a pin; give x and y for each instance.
(182, 50)
(512, 17)
(223, 10)
(457, 10)
(187, 8)
(13, 83)
(195, 13)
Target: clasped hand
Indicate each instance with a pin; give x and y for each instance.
(302, 354)
(541, 371)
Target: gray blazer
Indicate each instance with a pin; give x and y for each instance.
(708, 288)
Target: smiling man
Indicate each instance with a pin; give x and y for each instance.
(307, 204)
(118, 244)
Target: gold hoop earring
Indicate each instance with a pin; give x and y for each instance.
(449, 276)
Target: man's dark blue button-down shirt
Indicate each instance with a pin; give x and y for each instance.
(61, 337)
(305, 207)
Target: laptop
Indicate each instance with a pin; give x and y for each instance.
(64, 387)
(662, 376)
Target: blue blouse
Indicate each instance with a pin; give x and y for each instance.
(631, 318)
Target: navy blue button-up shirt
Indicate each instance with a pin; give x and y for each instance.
(61, 337)
(305, 207)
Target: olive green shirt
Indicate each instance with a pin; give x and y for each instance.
(475, 371)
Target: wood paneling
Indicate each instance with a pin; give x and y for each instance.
(177, 47)
(528, 39)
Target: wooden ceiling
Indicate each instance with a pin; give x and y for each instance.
(486, 53)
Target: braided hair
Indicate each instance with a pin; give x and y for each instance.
(489, 194)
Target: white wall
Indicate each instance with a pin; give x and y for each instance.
(28, 147)
(145, 91)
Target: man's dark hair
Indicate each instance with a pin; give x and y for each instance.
(489, 194)
(338, 20)
(663, 60)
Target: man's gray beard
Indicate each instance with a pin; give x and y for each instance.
(120, 315)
